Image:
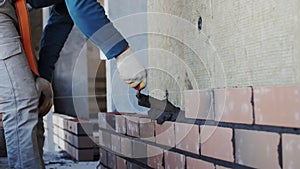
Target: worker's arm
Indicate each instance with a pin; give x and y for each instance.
(89, 16)
(54, 36)
(53, 39)
(43, 3)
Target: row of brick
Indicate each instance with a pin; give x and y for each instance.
(75, 137)
(274, 106)
(130, 135)
(172, 160)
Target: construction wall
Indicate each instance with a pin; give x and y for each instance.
(237, 78)
(242, 43)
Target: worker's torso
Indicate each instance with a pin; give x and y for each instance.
(8, 9)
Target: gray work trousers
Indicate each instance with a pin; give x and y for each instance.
(18, 98)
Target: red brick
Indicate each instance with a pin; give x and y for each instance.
(174, 160)
(79, 141)
(147, 129)
(233, 105)
(187, 137)
(103, 156)
(291, 151)
(257, 149)
(80, 127)
(58, 120)
(105, 139)
(102, 120)
(80, 154)
(199, 104)
(95, 137)
(101, 143)
(133, 166)
(120, 124)
(132, 126)
(216, 142)
(192, 163)
(111, 121)
(139, 151)
(59, 132)
(165, 134)
(116, 143)
(126, 147)
(155, 157)
(121, 163)
(277, 106)
(111, 160)
(59, 142)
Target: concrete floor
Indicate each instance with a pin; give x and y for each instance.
(55, 158)
(58, 160)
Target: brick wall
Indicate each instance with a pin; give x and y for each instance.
(74, 136)
(238, 45)
(224, 128)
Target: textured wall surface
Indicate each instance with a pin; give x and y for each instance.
(242, 43)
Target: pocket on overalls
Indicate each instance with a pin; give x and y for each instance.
(10, 49)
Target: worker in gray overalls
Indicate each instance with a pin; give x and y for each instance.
(20, 90)
(19, 97)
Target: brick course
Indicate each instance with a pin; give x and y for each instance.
(257, 149)
(192, 163)
(277, 106)
(165, 134)
(193, 100)
(290, 151)
(155, 157)
(216, 142)
(174, 160)
(234, 141)
(233, 105)
(187, 137)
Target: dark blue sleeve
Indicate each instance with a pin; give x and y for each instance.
(43, 3)
(54, 36)
(89, 16)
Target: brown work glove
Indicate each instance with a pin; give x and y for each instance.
(45, 94)
(131, 70)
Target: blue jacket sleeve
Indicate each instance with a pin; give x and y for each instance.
(54, 36)
(43, 3)
(89, 16)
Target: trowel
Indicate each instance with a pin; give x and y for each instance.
(160, 110)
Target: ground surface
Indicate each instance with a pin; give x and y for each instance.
(58, 160)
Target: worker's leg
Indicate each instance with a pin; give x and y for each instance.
(40, 138)
(18, 100)
(89, 16)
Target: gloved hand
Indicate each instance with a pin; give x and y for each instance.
(45, 93)
(131, 71)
